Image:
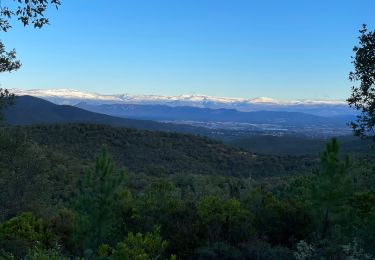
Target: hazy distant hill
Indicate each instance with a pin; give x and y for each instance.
(163, 112)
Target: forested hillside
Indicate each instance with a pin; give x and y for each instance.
(147, 151)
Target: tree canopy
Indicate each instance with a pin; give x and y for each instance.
(26, 11)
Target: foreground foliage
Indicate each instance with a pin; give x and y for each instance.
(362, 96)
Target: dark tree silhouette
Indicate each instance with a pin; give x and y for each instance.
(8, 61)
(363, 94)
(26, 11)
(6, 99)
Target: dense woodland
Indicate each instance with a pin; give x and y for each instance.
(64, 197)
(301, 145)
(172, 153)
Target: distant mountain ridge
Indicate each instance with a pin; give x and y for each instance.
(73, 97)
(186, 113)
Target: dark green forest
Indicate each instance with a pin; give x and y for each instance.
(299, 145)
(164, 152)
(98, 192)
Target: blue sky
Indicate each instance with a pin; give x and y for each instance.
(297, 49)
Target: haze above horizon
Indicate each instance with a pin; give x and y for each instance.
(278, 49)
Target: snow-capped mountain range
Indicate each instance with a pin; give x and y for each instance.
(74, 97)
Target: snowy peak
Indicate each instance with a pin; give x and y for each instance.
(63, 93)
(265, 100)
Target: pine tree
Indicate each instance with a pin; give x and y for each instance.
(98, 205)
(330, 193)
